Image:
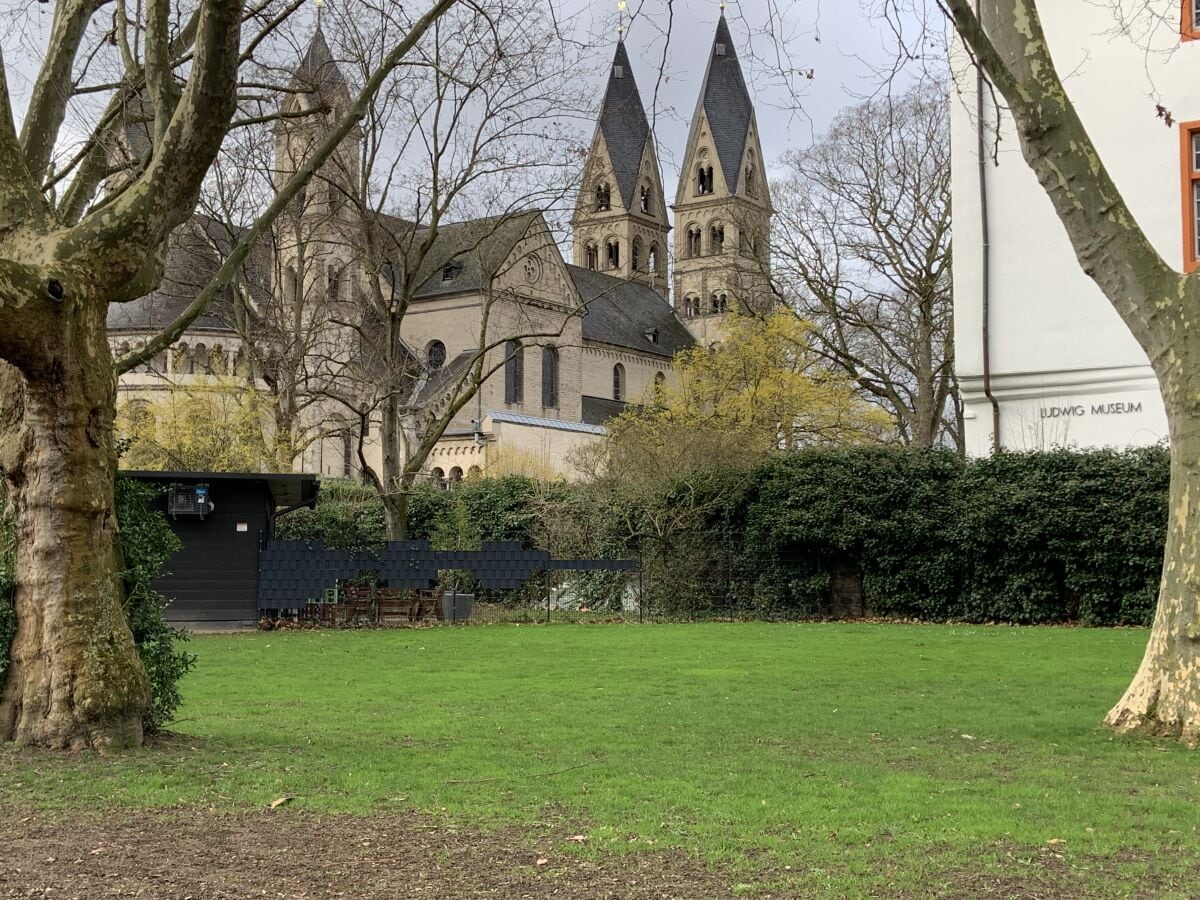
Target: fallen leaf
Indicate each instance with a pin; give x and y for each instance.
(967, 737)
(542, 861)
(578, 839)
(275, 804)
(1054, 842)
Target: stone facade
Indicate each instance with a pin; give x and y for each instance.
(604, 324)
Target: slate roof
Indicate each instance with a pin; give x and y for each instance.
(318, 74)
(445, 377)
(624, 126)
(598, 410)
(622, 312)
(727, 104)
(479, 246)
(195, 251)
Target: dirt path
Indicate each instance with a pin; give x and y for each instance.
(197, 855)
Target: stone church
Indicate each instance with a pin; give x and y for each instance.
(564, 345)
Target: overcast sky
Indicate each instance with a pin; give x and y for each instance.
(839, 40)
(669, 42)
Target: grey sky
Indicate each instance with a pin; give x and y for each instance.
(840, 40)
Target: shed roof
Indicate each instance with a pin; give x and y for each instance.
(287, 488)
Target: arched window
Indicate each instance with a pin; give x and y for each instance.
(716, 238)
(751, 184)
(603, 197)
(660, 381)
(435, 354)
(201, 362)
(618, 382)
(652, 260)
(290, 282)
(514, 372)
(714, 302)
(704, 179)
(722, 303)
(635, 254)
(220, 363)
(474, 472)
(439, 477)
(591, 256)
(614, 254)
(550, 377)
(647, 203)
(456, 477)
(694, 236)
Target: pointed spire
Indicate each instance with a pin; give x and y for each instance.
(318, 74)
(726, 102)
(624, 125)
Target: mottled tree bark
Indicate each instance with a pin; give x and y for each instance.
(1157, 303)
(75, 679)
(1164, 697)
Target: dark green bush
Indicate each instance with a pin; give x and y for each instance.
(146, 543)
(1017, 537)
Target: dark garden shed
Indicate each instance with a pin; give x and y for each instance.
(223, 520)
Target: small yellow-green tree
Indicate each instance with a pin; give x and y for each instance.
(216, 427)
(760, 390)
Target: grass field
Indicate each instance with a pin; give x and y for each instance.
(844, 757)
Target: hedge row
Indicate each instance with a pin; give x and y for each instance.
(1030, 538)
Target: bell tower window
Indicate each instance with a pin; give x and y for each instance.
(635, 255)
(704, 179)
(716, 239)
(647, 204)
(693, 241)
(591, 256)
(603, 197)
(614, 254)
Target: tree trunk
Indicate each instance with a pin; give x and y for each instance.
(1164, 698)
(75, 679)
(395, 499)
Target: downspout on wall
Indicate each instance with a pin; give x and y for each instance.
(985, 254)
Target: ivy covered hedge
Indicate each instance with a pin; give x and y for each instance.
(146, 543)
(1030, 537)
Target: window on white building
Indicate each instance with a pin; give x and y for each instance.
(1190, 165)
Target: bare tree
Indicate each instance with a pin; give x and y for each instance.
(1006, 40)
(75, 678)
(460, 163)
(862, 250)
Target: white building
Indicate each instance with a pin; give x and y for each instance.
(1039, 349)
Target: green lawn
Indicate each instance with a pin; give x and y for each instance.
(858, 755)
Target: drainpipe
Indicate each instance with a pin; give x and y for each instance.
(985, 259)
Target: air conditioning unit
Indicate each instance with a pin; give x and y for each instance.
(189, 500)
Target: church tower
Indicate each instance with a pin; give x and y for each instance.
(317, 97)
(620, 221)
(722, 208)
(318, 238)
